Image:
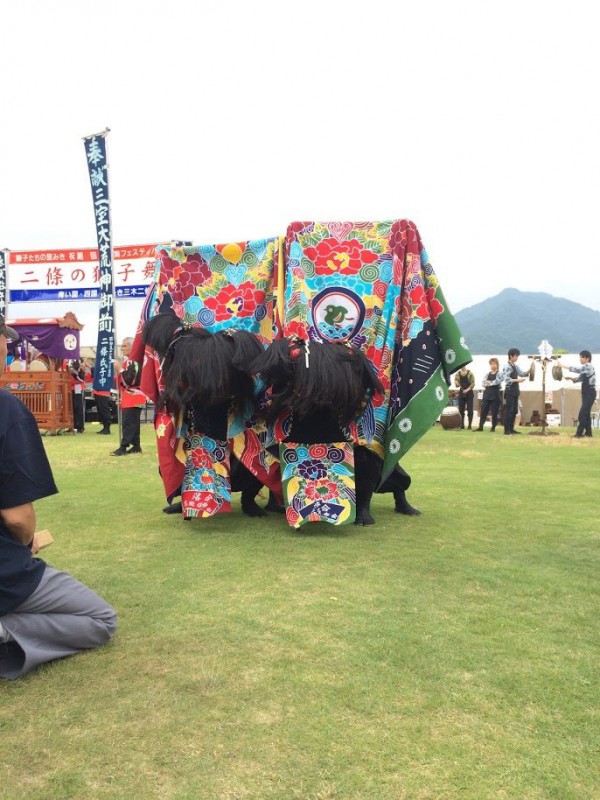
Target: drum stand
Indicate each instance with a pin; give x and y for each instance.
(544, 361)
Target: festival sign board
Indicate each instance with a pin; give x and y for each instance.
(74, 273)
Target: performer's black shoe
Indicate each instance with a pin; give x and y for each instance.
(516, 432)
(104, 432)
(175, 508)
(120, 451)
(134, 450)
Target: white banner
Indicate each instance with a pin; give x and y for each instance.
(74, 274)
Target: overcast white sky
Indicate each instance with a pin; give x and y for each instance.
(231, 119)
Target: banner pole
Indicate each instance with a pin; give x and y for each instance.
(104, 371)
(3, 263)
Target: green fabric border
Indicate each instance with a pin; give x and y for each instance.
(415, 420)
(425, 407)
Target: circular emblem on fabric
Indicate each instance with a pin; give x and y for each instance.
(338, 314)
(405, 425)
(439, 393)
(450, 356)
(70, 342)
(394, 446)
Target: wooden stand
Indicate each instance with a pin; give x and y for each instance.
(543, 422)
(46, 394)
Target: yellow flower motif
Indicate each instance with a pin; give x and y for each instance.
(161, 430)
(232, 252)
(343, 261)
(178, 254)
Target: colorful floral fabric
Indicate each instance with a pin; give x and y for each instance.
(206, 488)
(318, 483)
(231, 286)
(368, 283)
(371, 284)
(223, 286)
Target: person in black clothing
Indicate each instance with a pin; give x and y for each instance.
(45, 614)
(104, 412)
(512, 375)
(587, 377)
(77, 373)
(131, 400)
(490, 401)
(464, 380)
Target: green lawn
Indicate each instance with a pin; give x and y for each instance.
(452, 655)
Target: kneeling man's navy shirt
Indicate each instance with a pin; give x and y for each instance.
(25, 476)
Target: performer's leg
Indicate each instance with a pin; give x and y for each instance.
(585, 414)
(127, 431)
(397, 482)
(82, 407)
(514, 410)
(483, 412)
(495, 405)
(507, 415)
(60, 618)
(579, 431)
(136, 431)
(510, 413)
(242, 480)
(78, 411)
(103, 406)
(367, 470)
(128, 422)
(469, 399)
(273, 504)
(461, 410)
(131, 429)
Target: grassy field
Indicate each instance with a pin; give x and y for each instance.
(452, 655)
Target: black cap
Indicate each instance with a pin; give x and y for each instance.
(10, 333)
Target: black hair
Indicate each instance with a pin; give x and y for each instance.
(159, 331)
(317, 377)
(208, 369)
(514, 352)
(585, 354)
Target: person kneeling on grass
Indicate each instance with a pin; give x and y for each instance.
(45, 614)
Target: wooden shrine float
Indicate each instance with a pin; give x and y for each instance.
(38, 375)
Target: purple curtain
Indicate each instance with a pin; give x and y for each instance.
(49, 339)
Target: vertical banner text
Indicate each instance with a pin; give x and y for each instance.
(95, 150)
(2, 283)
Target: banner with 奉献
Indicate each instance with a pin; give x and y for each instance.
(74, 273)
(95, 151)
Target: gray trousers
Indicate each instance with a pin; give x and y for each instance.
(60, 618)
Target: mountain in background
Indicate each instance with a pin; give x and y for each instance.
(522, 319)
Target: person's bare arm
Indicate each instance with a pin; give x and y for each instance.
(20, 521)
